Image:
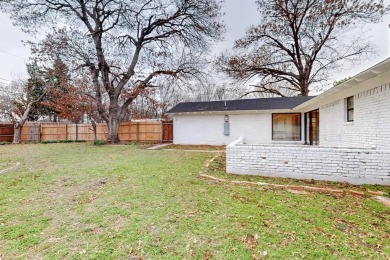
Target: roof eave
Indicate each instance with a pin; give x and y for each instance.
(231, 112)
(370, 73)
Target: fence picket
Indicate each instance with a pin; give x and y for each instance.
(6, 132)
(143, 131)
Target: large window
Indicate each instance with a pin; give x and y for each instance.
(350, 109)
(286, 127)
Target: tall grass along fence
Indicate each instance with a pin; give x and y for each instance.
(136, 131)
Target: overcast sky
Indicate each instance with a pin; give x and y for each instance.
(240, 14)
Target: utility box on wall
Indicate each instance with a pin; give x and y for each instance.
(226, 126)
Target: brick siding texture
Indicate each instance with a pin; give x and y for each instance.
(371, 125)
(358, 166)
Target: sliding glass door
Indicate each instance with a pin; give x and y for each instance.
(312, 127)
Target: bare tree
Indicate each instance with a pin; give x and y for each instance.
(155, 102)
(16, 104)
(124, 45)
(8, 110)
(298, 42)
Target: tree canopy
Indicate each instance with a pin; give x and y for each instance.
(298, 42)
(125, 46)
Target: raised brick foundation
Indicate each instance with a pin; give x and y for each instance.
(358, 166)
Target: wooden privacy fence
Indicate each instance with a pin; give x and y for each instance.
(143, 131)
(6, 132)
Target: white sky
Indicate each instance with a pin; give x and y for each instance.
(240, 14)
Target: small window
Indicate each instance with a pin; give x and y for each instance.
(286, 127)
(350, 109)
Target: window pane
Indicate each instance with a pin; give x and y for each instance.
(286, 127)
(350, 103)
(350, 115)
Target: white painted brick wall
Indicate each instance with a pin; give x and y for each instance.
(371, 125)
(357, 166)
(208, 129)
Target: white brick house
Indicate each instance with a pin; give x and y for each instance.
(370, 125)
(221, 123)
(346, 131)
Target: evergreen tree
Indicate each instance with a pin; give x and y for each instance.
(35, 88)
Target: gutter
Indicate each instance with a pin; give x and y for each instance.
(232, 112)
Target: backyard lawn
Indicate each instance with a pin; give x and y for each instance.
(79, 201)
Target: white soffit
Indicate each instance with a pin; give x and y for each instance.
(370, 73)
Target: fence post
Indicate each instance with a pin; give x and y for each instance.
(40, 132)
(162, 131)
(77, 132)
(137, 131)
(66, 132)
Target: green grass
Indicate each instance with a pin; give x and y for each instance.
(80, 201)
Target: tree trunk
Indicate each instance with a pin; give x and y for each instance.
(17, 133)
(305, 92)
(113, 127)
(304, 89)
(113, 120)
(18, 125)
(94, 130)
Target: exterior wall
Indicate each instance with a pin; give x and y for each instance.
(209, 128)
(357, 152)
(358, 166)
(371, 125)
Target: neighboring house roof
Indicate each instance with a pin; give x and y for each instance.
(382, 67)
(240, 105)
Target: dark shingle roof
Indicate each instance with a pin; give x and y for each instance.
(243, 104)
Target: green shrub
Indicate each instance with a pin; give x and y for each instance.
(63, 141)
(4, 143)
(49, 142)
(99, 142)
(67, 141)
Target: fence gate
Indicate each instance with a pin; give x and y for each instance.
(6, 133)
(167, 134)
(34, 133)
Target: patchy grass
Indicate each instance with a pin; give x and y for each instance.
(79, 201)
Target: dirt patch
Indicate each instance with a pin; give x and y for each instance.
(158, 146)
(8, 167)
(197, 147)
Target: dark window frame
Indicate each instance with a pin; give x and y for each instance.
(300, 126)
(350, 109)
